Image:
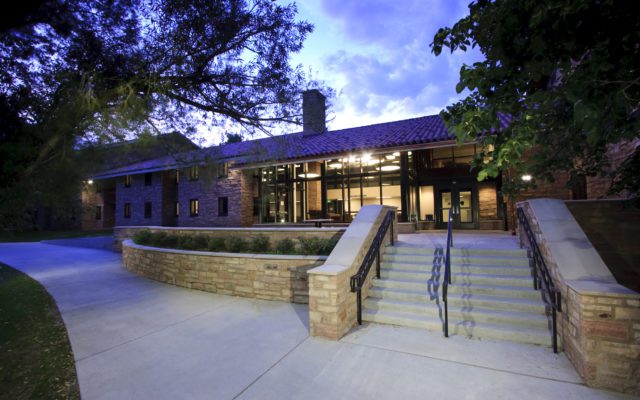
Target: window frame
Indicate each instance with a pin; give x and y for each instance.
(149, 214)
(148, 179)
(223, 206)
(128, 179)
(98, 212)
(194, 173)
(223, 170)
(127, 210)
(194, 207)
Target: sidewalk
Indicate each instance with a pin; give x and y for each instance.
(138, 339)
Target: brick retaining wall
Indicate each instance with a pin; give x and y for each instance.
(260, 276)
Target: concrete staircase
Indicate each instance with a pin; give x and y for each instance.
(491, 294)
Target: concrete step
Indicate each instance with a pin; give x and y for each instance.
(403, 248)
(457, 259)
(458, 277)
(466, 288)
(518, 318)
(474, 269)
(462, 300)
(459, 327)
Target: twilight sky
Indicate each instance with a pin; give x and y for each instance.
(376, 55)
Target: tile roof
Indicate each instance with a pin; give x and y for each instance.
(409, 132)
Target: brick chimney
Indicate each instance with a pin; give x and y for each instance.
(313, 112)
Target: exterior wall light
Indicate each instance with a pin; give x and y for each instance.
(526, 177)
(90, 181)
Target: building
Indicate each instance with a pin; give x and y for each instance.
(412, 164)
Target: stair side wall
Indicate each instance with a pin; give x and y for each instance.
(332, 306)
(599, 324)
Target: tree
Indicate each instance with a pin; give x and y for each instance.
(81, 72)
(566, 73)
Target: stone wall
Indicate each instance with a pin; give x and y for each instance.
(599, 324)
(260, 276)
(136, 195)
(237, 187)
(332, 306)
(122, 233)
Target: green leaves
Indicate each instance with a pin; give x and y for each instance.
(567, 73)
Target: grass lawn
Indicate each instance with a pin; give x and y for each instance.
(36, 236)
(36, 361)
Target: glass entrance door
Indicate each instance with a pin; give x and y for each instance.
(460, 199)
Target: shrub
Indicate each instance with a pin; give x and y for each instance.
(235, 244)
(142, 237)
(168, 241)
(286, 246)
(157, 239)
(327, 246)
(186, 242)
(309, 246)
(316, 246)
(216, 244)
(259, 244)
(200, 243)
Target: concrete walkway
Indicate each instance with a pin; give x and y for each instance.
(138, 339)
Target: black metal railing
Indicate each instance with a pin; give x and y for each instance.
(447, 274)
(542, 279)
(358, 280)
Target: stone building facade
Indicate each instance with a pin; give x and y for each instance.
(414, 165)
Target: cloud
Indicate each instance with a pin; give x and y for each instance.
(393, 22)
(391, 73)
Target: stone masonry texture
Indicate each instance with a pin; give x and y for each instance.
(282, 278)
(332, 306)
(600, 332)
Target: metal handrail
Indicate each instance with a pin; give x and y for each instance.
(542, 278)
(447, 274)
(357, 281)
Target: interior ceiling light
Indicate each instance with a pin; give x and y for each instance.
(390, 157)
(309, 175)
(335, 165)
(389, 168)
(397, 154)
(366, 157)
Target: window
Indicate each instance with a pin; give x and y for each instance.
(127, 210)
(194, 207)
(177, 179)
(177, 209)
(223, 170)
(127, 181)
(98, 212)
(193, 173)
(147, 209)
(223, 206)
(148, 178)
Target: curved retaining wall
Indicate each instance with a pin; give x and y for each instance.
(122, 233)
(260, 276)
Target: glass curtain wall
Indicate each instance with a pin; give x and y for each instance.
(293, 193)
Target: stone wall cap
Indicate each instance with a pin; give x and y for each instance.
(130, 243)
(601, 288)
(328, 269)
